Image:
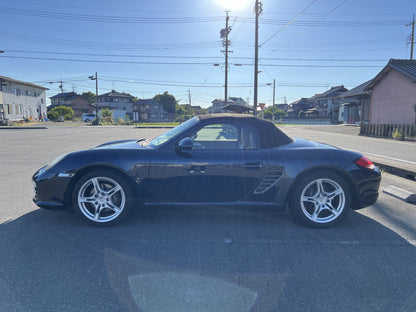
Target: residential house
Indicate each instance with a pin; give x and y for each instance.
(20, 100)
(283, 106)
(328, 104)
(119, 103)
(148, 110)
(234, 104)
(217, 107)
(196, 109)
(355, 105)
(78, 103)
(299, 107)
(393, 93)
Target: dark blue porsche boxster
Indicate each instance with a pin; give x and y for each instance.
(220, 159)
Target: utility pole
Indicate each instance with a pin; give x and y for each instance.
(258, 10)
(274, 93)
(61, 84)
(412, 37)
(189, 94)
(225, 42)
(96, 97)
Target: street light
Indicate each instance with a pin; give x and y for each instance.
(274, 92)
(95, 122)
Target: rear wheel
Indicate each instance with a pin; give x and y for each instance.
(102, 197)
(321, 199)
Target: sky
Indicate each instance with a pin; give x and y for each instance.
(149, 47)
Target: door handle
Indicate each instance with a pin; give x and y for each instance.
(253, 165)
(197, 168)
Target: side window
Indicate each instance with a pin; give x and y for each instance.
(224, 136)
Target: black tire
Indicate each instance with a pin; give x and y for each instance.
(320, 199)
(102, 197)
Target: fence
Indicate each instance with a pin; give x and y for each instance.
(318, 120)
(388, 130)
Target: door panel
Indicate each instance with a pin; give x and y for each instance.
(206, 175)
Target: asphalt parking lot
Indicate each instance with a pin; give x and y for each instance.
(192, 259)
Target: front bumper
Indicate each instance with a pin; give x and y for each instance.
(50, 189)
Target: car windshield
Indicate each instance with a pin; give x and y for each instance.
(156, 142)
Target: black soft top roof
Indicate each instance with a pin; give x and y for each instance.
(270, 135)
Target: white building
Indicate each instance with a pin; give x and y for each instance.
(20, 99)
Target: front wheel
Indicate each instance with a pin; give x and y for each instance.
(101, 197)
(320, 199)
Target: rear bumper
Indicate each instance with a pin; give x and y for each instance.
(368, 185)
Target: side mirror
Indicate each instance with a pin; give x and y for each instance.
(186, 144)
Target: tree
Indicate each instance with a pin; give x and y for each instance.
(58, 112)
(167, 101)
(278, 113)
(183, 113)
(107, 115)
(90, 97)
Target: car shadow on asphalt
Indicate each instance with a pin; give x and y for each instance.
(193, 256)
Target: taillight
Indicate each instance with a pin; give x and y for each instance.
(365, 162)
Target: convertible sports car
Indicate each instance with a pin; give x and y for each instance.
(221, 159)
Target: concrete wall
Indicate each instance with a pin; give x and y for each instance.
(393, 99)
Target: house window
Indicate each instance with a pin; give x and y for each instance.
(35, 93)
(156, 106)
(18, 109)
(153, 115)
(17, 92)
(8, 109)
(28, 93)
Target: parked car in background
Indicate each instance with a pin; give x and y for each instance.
(219, 159)
(88, 117)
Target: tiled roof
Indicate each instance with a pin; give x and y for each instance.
(406, 67)
(144, 101)
(22, 82)
(63, 95)
(357, 90)
(114, 93)
(334, 91)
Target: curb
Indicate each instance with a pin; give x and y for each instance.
(395, 170)
(154, 127)
(22, 128)
(401, 194)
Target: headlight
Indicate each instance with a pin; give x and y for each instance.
(54, 162)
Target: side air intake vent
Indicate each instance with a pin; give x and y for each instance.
(271, 177)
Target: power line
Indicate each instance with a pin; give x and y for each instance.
(290, 22)
(106, 18)
(323, 17)
(123, 19)
(197, 57)
(181, 63)
(105, 45)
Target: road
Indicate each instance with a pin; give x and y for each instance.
(193, 259)
(400, 154)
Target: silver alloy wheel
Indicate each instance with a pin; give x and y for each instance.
(322, 200)
(101, 199)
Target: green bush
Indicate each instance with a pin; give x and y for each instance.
(56, 113)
